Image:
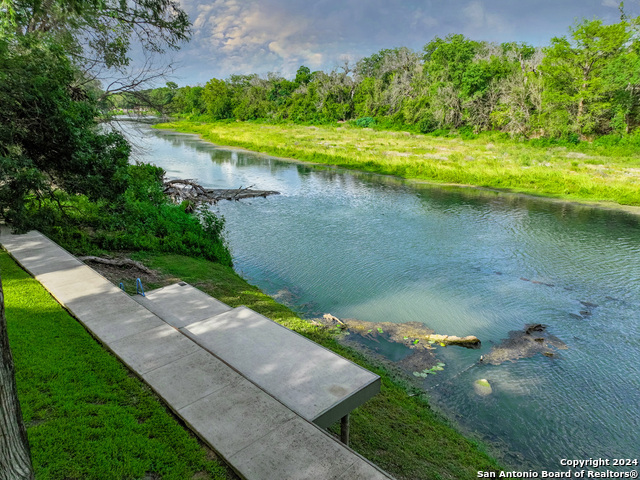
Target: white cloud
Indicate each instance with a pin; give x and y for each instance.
(479, 20)
(243, 37)
(258, 36)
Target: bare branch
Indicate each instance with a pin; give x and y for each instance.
(188, 190)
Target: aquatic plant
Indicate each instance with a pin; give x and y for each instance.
(430, 371)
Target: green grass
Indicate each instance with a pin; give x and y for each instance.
(398, 432)
(588, 172)
(87, 416)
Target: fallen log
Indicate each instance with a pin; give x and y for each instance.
(189, 190)
(123, 262)
(421, 342)
(411, 334)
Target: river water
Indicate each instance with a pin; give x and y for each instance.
(463, 263)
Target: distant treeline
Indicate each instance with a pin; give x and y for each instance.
(581, 85)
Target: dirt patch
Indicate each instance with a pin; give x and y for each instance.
(127, 274)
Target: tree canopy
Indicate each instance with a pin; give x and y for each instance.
(63, 172)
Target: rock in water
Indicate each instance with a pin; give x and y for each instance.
(525, 343)
(482, 387)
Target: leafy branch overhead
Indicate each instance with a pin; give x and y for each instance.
(109, 25)
(98, 35)
(61, 171)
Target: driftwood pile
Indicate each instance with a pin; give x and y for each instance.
(188, 190)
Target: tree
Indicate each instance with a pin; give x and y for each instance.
(303, 76)
(280, 90)
(335, 92)
(15, 457)
(519, 100)
(447, 60)
(572, 69)
(98, 35)
(193, 100)
(622, 76)
(50, 143)
(445, 63)
(388, 81)
(160, 98)
(216, 98)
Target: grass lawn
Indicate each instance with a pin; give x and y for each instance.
(585, 173)
(87, 416)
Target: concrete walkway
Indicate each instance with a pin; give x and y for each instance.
(257, 435)
(314, 382)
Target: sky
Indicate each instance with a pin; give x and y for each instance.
(261, 36)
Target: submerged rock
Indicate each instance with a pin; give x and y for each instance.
(525, 343)
(482, 387)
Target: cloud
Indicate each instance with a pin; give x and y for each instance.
(479, 20)
(245, 36)
(257, 36)
(610, 3)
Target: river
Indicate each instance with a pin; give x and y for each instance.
(462, 262)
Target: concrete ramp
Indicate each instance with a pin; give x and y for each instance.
(180, 304)
(314, 382)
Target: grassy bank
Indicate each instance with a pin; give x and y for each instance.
(594, 173)
(87, 416)
(399, 433)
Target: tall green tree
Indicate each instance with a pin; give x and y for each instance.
(576, 92)
(217, 99)
(50, 143)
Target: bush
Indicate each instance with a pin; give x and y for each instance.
(365, 122)
(142, 219)
(466, 133)
(428, 124)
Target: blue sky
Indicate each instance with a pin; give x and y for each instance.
(261, 36)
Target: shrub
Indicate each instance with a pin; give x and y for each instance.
(365, 122)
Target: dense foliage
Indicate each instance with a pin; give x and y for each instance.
(581, 85)
(141, 219)
(60, 171)
(50, 145)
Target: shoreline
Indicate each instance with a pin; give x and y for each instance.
(509, 192)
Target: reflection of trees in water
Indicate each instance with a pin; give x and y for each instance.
(441, 198)
(581, 217)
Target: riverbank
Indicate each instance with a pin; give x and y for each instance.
(592, 175)
(398, 432)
